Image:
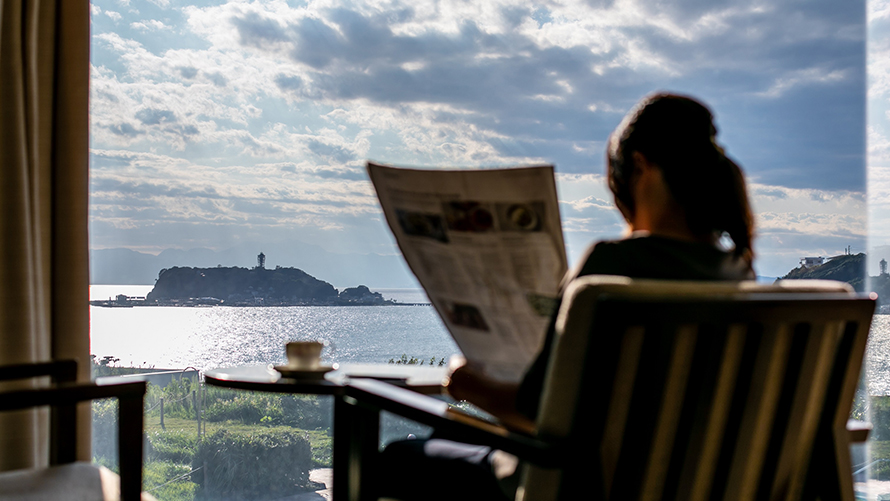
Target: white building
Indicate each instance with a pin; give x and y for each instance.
(809, 262)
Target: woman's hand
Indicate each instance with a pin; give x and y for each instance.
(469, 382)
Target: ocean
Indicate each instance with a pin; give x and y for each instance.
(210, 337)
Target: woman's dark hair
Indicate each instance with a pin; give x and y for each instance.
(677, 134)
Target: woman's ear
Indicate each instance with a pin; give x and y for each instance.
(641, 163)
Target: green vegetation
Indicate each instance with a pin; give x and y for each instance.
(404, 359)
(250, 446)
(880, 455)
(263, 464)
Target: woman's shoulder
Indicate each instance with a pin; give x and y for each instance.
(657, 257)
(606, 257)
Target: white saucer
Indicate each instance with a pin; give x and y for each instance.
(290, 371)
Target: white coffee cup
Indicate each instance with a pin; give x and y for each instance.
(304, 354)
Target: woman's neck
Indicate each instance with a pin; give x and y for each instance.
(668, 224)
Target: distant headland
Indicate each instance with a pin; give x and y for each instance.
(848, 268)
(234, 286)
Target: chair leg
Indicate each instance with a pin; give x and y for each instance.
(130, 445)
(63, 418)
(356, 435)
(63, 437)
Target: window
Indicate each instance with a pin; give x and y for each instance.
(223, 129)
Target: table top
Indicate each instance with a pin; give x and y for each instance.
(424, 379)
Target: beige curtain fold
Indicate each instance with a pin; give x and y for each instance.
(44, 194)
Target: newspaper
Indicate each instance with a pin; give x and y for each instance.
(487, 246)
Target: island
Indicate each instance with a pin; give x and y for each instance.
(234, 286)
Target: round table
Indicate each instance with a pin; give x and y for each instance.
(355, 428)
(423, 379)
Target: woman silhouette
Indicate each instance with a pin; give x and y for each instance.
(688, 216)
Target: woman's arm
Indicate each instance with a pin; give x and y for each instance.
(495, 397)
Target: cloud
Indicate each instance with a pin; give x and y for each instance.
(878, 130)
(588, 202)
(288, 82)
(149, 25)
(251, 97)
(768, 192)
(188, 72)
(531, 97)
(150, 189)
(337, 153)
(257, 31)
(152, 116)
(217, 78)
(124, 129)
(809, 76)
(789, 223)
(878, 10)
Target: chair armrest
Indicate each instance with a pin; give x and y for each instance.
(858, 431)
(130, 422)
(61, 371)
(439, 415)
(69, 394)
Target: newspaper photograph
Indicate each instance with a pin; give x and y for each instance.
(487, 247)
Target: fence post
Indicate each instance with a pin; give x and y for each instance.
(203, 400)
(197, 412)
(162, 415)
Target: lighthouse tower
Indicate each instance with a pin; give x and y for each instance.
(261, 261)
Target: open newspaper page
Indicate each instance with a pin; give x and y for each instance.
(487, 247)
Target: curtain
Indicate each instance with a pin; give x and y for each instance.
(44, 175)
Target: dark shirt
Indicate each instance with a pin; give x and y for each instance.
(650, 257)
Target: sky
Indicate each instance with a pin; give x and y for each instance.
(220, 123)
(878, 130)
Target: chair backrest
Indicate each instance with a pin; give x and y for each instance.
(691, 390)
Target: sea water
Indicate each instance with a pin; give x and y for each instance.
(877, 357)
(220, 336)
(211, 337)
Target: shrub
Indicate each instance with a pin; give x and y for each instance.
(302, 411)
(245, 408)
(307, 411)
(271, 463)
(322, 451)
(104, 439)
(168, 481)
(178, 446)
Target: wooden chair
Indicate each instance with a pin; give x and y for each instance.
(670, 390)
(67, 478)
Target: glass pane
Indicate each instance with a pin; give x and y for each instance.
(231, 136)
(872, 461)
